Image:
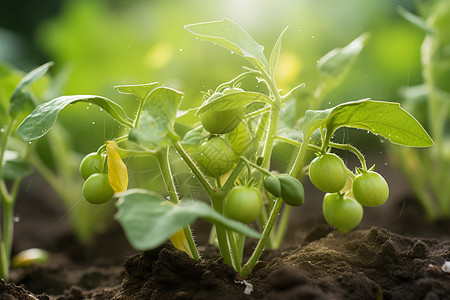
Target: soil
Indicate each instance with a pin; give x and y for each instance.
(394, 254)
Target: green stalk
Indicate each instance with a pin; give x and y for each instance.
(353, 149)
(217, 198)
(166, 172)
(7, 207)
(217, 201)
(191, 164)
(247, 268)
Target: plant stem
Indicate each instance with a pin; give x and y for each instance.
(191, 164)
(353, 149)
(166, 172)
(7, 207)
(247, 268)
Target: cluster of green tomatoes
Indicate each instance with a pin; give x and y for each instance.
(345, 210)
(230, 138)
(96, 188)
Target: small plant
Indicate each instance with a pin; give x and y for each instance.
(229, 151)
(427, 169)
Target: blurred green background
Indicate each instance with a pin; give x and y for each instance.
(98, 44)
(105, 43)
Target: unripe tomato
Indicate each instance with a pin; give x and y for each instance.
(292, 191)
(221, 121)
(91, 163)
(243, 204)
(272, 185)
(342, 212)
(328, 173)
(96, 189)
(240, 138)
(370, 189)
(216, 157)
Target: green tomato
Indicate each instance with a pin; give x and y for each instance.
(96, 189)
(370, 189)
(328, 173)
(292, 191)
(216, 157)
(221, 121)
(241, 138)
(342, 212)
(243, 204)
(91, 163)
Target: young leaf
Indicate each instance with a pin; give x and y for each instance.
(233, 100)
(386, 119)
(42, 119)
(232, 37)
(157, 118)
(275, 54)
(335, 64)
(149, 220)
(20, 96)
(139, 90)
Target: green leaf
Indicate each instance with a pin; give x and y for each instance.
(14, 167)
(149, 220)
(20, 96)
(232, 37)
(233, 100)
(335, 65)
(157, 118)
(42, 119)
(275, 54)
(139, 90)
(386, 119)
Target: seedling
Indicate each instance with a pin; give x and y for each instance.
(233, 142)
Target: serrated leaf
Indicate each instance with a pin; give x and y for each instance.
(139, 90)
(42, 119)
(157, 118)
(275, 54)
(232, 37)
(386, 119)
(149, 220)
(20, 95)
(233, 100)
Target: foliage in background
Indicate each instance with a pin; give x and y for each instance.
(428, 169)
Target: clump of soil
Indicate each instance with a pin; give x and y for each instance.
(364, 264)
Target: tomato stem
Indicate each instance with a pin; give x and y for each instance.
(164, 165)
(353, 149)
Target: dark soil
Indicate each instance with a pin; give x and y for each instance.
(400, 258)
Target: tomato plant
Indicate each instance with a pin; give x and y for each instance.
(218, 160)
(370, 189)
(243, 204)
